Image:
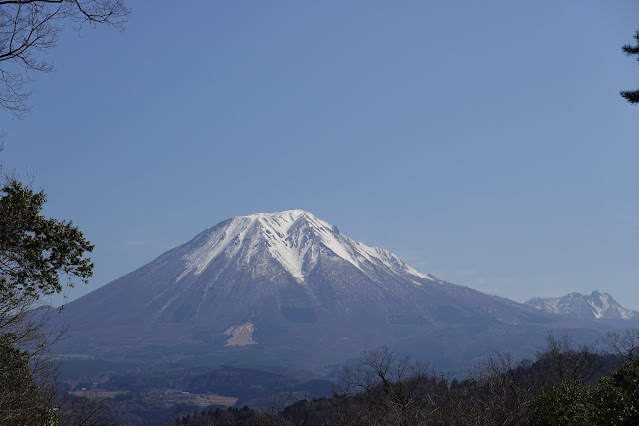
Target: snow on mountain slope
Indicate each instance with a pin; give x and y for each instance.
(294, 238)
(595, 305)
(290, 288)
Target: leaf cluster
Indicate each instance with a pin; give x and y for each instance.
(611, 401)
(631, 96)
(35, 252)
(23, 400)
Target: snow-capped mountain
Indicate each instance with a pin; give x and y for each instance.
(289, 288)
(295, 239)
(596, 305)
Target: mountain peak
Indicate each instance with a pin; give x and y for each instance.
(283, 222)
(288, 286)
(296, 239)
(596, 305)
(294, 214)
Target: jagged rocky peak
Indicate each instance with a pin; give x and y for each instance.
(296, 239)
(596, 305)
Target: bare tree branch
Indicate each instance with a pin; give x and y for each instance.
(31, 28)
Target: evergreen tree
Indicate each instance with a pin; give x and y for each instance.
(633, 95)
(612, 401)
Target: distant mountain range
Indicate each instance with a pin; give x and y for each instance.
(288, 290)
(596, 305)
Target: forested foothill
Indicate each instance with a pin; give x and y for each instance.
(564, 385)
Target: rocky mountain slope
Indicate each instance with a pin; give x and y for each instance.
(289, 290)
(596, 305)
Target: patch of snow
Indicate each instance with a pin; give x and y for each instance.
(596, 304)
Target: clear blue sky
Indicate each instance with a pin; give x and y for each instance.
(483, 142)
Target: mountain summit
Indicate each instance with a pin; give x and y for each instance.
(596, 305)
(289, 289)
(295, 239)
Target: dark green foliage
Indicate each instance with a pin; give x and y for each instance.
(14, 365)
(21, 399)
(632, 96)
(36, 253)
(611, 401)
(230, 416)
(567, 403)
(616, 397)
(34, 250)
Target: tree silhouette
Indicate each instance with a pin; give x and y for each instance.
(631, 96)
(30, 28)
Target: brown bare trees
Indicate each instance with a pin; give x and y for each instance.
(384, 389)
